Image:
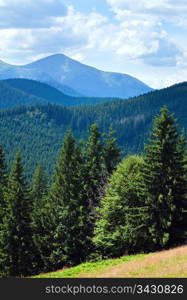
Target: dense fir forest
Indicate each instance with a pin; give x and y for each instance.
(16, 92)
(38, 130)
(96, 205)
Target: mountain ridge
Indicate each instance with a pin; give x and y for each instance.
(20, 91)
(83, 79)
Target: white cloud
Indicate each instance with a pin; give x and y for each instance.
(71, 32)
(164, 7)
(145, 24)
(78, 56)
(136, 38)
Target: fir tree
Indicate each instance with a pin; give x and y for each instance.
(39, 185)
(111, 152)
(68, 196)
(3, 168)
(44, 223)
(39, 190)
(16, 235)
(178, 230)
(164, 181)
(96, 170)
(3, 183)
(96, 174)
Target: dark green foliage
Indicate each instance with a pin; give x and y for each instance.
(19, 91)
(16, 236)
(121, 226)
(39, 130)
(3, 168)
(111, 152)
(41, 90)
(178, 231)
(96, 173)
(70, 245)
(38, 193)
(3, 183)
(140, 207)
(11, 97)
(96, 169)
(62, 221)
(165, 182)
(44, 225)
(39, 186)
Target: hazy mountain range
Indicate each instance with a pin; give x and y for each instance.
(76, 79)
(16, 92)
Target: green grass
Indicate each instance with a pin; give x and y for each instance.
(164, 264)
(88, 267)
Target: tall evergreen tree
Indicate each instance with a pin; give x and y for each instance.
(68, 196)
(39, 190)
(3, 183)
(44, 223)
(96, 174)
(16, 235)
(96, 170)
(111, 152)
(39, 185)
(178, 230)
(3, 168)
(164, 181)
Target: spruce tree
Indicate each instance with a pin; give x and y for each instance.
(178, 230)
(39, 190)
(44, 223)
(164, 181)
(3, 168)
(111, 152)
(3, 183)
(96, 169)
(16, 234)
(70, 245)
(39, 185)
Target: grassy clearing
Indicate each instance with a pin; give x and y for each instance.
(165, 264)
(90, 267)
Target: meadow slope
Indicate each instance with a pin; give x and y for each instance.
(165, 264)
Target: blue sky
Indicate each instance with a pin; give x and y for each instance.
(143, 38)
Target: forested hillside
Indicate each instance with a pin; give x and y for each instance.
(96, 205)
(11, 97)
(41, 90)
(15, 92)
(39, 130)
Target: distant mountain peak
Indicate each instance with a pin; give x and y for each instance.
(83, 79)
(55, 59)
(50, 57)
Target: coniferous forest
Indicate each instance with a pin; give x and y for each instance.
(38, 130)
(97, 204)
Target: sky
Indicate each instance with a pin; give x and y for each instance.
(146, 39)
